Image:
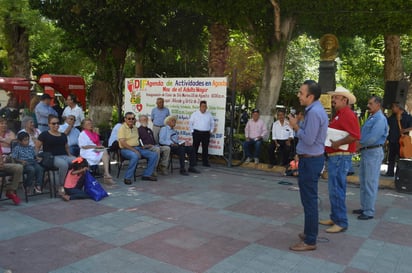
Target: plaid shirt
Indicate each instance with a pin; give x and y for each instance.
(23, 153)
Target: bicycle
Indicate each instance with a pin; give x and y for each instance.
(238, 155)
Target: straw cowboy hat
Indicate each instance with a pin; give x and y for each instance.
(342, 91)
(169, 118)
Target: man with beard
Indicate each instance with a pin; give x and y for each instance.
(373, 136)
(147, 141)
(310, 148)
(340, 158)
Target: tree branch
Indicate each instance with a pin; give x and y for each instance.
(276, 19)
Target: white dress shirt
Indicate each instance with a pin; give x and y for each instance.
(201, 121)
(281, 132)
(77, 111)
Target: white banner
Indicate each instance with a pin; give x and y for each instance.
(182, 96)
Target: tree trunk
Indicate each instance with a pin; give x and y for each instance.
(107, 87)
(274, 66)
(393, 69)
(139, 53)
(218, 49)
(17, 40)
(138, 69)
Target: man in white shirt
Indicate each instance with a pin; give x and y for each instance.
(72, 134)
(74, 109)
(202, 125)
(282, 137)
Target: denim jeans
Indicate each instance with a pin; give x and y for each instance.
(62, 162)
(181, 151)
(76, 193)
(256, 144)
(34, 172)
(370, 167)
(338, 167)
(309, 172)
(134, 159)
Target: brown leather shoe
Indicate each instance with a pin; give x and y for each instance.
(335, 229)
(301, 246)
(328, 222)
(302, 236)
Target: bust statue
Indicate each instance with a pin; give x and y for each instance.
(329, 46)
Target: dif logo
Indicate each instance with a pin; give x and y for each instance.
(136, 84)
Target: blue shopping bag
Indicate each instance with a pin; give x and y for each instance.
(93, 188)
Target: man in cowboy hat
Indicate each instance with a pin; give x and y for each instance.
(168, 136)
(340, 157)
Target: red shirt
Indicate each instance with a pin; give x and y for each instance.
(346, 120)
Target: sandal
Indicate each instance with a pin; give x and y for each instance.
(66, 197)
(37, 189)
(108, 180)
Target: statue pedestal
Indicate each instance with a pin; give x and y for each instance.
(327, 80)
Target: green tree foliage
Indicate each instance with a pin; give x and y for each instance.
(248, 65)
(52, 52)
(17, 21)
(361, 67)
(302, 62)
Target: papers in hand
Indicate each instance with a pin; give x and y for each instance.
(181, 142)
(335, 134)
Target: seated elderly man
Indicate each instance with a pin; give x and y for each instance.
(168, 137)
(72, 134)
(130, 148)
(147, 140)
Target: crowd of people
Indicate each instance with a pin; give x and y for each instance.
(307, 142)
(75, 138)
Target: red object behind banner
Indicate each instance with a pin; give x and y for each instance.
(19, 87)
(65, 85)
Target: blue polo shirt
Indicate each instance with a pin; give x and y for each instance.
(312, 133)
(158, 116)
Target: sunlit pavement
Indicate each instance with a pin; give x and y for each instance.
(236, 219)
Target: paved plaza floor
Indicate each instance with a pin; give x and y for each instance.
(224, 220)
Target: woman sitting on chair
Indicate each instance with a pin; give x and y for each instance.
(92, 151)
(54, 142)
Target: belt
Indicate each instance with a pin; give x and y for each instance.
(309, 156)
(159, 126)
(371, 147)
(42, 124)
(198, 131)
(339, 153)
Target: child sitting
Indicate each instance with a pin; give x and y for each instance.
(24, 153)
(74, 181)
(293, 168)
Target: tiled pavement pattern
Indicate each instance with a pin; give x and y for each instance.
(223, 220)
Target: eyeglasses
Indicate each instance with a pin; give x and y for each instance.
(130, 118)
(54, 123)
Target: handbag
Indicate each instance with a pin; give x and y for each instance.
(47, 160)
(405, 144)
(93, 188)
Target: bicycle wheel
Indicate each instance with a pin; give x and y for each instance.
(238, 155)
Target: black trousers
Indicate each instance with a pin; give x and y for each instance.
(284, 152)
(204, 137)
(181, 151)
(393, 154)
